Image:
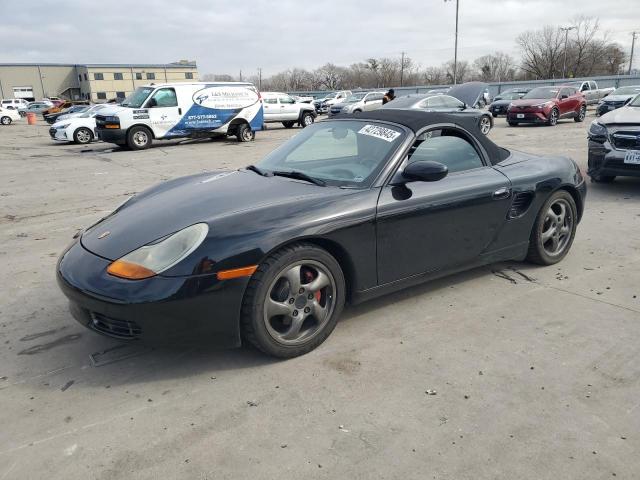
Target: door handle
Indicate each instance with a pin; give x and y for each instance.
(502, 193)
(179, 111)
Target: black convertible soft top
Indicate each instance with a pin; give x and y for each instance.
(416, 120)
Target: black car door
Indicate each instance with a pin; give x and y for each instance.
(430, 226)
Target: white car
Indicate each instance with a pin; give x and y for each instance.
(358, 102)
(80, 129)
(14, 103)
(280, 107)
(8, 115)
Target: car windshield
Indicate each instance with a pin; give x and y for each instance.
(635, 102)
(626, 91)
(349, 153)
(543, 92)
(407, 101)
(137, 98)
(356, 97)
(508, 96)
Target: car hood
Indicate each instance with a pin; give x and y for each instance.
(469, 92)
(111, 111)
(621, 115)
(617, 98)
(179, 203)
(501, 102)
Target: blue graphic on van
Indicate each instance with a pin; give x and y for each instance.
(199, 118)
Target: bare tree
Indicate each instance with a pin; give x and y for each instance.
(496, 67)
(463, 71)
(331, 76)
(542, 52)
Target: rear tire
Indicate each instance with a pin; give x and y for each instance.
(554, 229)
(5, 120)
(82, 136)
(139, 138)
(276, 311)
(244, 133)
(581, 114)
(288, 124)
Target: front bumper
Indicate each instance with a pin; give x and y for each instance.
(112, 135)
(529, 117)
(605, 161)
(59, 135)
(185, 311)
(603, 108)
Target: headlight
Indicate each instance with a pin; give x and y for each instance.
(511, 105)
(62, 127)
(597, 129)
(541, 105)
(161, 255)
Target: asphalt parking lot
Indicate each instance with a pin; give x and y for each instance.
(535, 370)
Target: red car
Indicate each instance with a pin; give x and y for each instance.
(547, 105)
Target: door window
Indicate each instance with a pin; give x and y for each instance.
(448, 146)
(593, 85)
(271, 101)
(286, 99)
(450, 102)
(165, 97)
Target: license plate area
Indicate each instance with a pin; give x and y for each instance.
(632, 157)
(520, 115)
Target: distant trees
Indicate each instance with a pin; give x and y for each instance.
(589, 52)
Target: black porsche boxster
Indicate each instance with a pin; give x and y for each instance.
(347, 210)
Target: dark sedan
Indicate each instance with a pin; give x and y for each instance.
(616, 99)
(347, 210)
(501, 102)
(614, 144)
(430, 102)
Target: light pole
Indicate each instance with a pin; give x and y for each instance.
(455, 53)
(566, 38)
(633, 44)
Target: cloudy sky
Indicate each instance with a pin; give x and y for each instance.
(224, 36)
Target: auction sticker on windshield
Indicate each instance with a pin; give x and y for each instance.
(386, 134)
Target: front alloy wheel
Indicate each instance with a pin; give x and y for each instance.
(293, 301)
(553, 117)
(485, 125)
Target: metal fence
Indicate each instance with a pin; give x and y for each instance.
(497, 87)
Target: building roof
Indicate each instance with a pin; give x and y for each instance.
(105, 65)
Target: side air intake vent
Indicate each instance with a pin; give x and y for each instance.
(520, 204)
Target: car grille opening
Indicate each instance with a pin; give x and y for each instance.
(122, 329)
(626, 140)
(520, 204)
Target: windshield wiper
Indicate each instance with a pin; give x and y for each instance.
(259, 171)
(299, 176)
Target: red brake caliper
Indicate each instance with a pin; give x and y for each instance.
(309, 277)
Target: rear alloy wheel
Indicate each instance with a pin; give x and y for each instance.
(288, 124)
(485, 124)
(293, 301)
(244, 133)
(82, 136)
(554, 229)
(581, 114)
(139, 138)
(306, 120)
(5, 120)
(553, 117)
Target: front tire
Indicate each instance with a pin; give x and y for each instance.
(485, 124)
(5, 120)
(603, 178)
(554, 229)
(552, 121)
(139, 138)
(306, 120)
(512, 124)
(293, 301)
(244, 133)
(82, 136)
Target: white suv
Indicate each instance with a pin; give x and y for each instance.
(280, 107)
(14, 103)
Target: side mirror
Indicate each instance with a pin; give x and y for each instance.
(152, 103)
(424, 171)
(562, 97)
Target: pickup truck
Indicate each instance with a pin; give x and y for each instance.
(590, 90)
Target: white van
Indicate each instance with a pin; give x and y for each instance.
(174, 110)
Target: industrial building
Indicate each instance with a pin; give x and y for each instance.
(95, 82)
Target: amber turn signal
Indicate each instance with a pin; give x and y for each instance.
(236, 273)
(130, 271)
